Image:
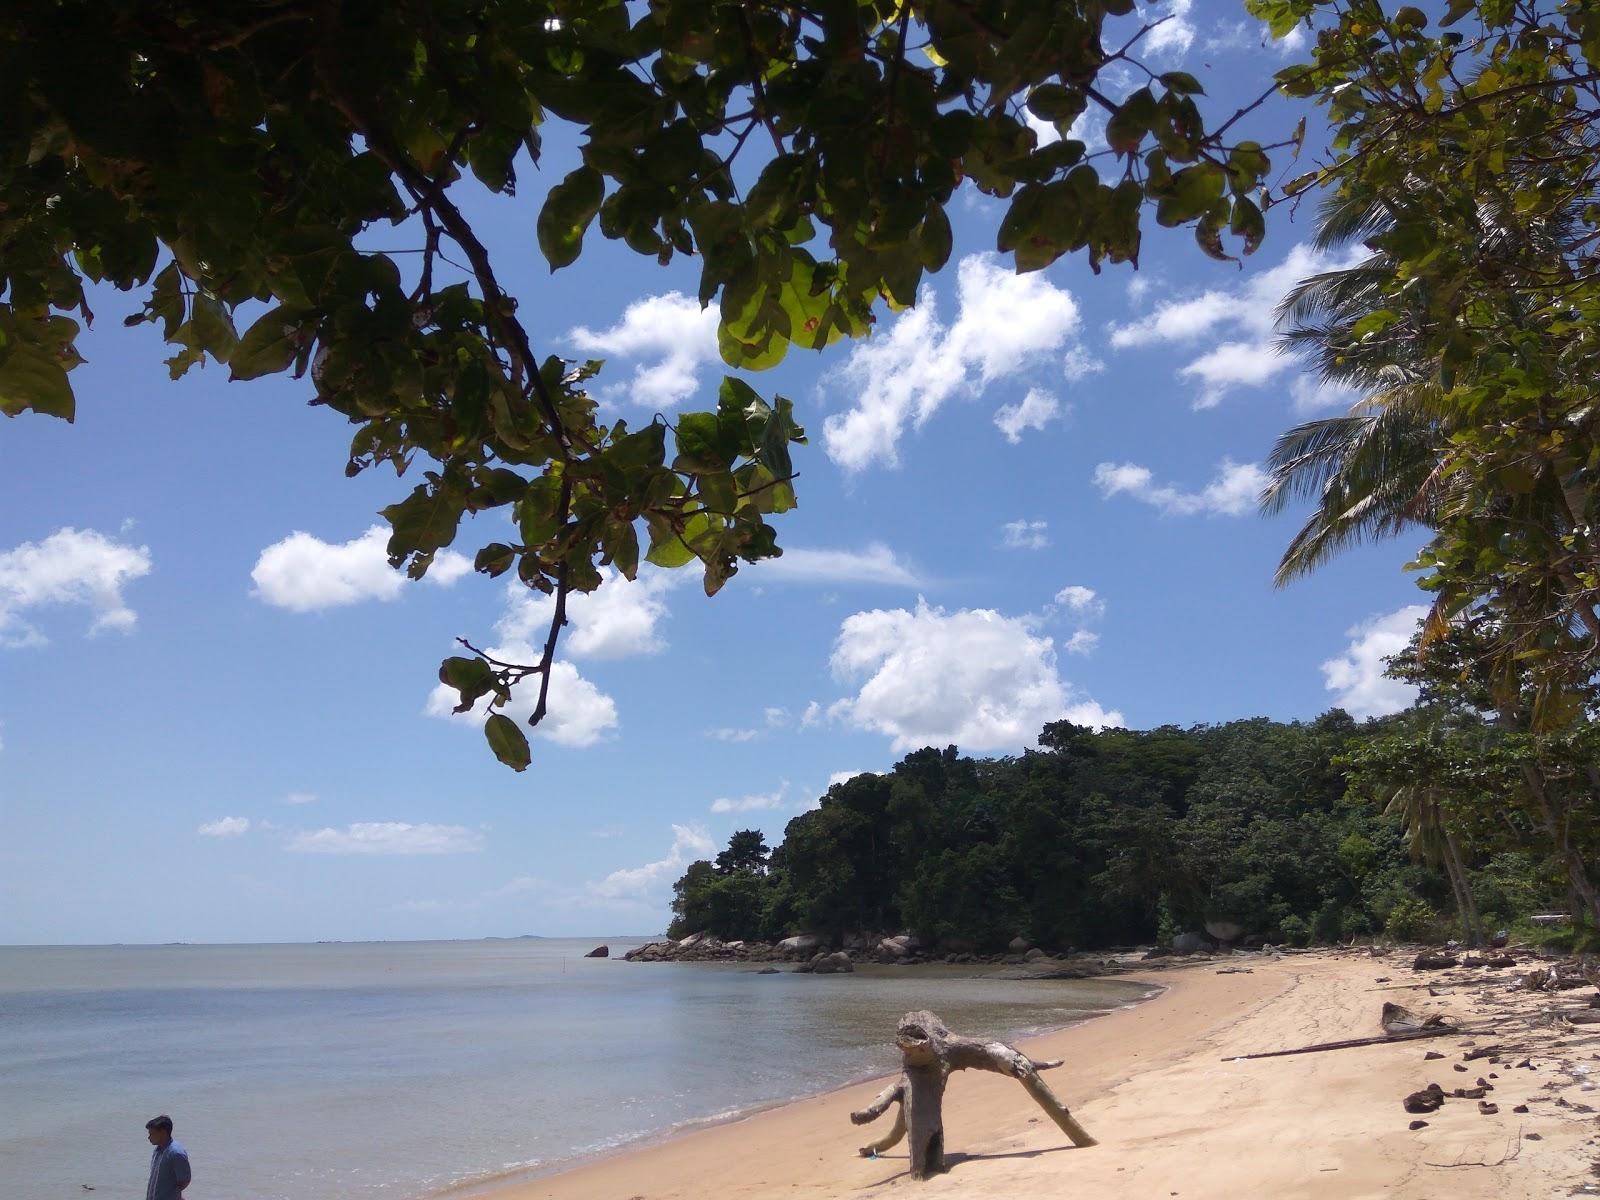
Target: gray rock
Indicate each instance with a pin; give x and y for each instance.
(1225, 931)
(1019, 945)
(800, 945)
(1190, 943)
(599, 952)
(1034, 955)
(837, 963)
(767, 971)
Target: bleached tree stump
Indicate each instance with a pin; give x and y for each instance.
(928, 1053)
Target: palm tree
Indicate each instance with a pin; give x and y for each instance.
(1430, 838)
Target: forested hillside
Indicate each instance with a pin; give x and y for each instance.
(1114, 837)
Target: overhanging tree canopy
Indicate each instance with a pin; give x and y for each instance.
(225, 159)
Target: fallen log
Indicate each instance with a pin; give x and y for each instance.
(929, 1052)
(1351, 1043)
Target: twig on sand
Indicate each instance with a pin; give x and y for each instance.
(1513, 1148)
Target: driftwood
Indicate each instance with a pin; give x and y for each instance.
(1381, 1040)
(928, 1053)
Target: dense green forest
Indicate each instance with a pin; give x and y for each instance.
(1292, 831)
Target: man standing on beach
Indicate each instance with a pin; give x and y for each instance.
(169, 1162)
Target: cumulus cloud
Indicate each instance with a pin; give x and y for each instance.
(71, 566)
(578, 713)
(300, 798)
(811, 716)
(763, 802)
(1254, 35)
(971, 677)
(387, 837)
(675, 337)
(619, 619)
(839, 777)
(652, 880)
(1034, 411)
(776, 718)
(1231, 493)
(226, 827)
(1005, 324)
(1025, 535)
(1248, 311)
(1084, 601)
(1357, 676)
(877, 563)
(303, 573)
(1170, 40)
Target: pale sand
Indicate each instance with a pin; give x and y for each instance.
(1172, 1118)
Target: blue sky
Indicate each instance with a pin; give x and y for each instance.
(1025, 499)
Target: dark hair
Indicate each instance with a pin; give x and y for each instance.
(163, 1123)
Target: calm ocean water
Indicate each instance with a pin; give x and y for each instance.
(355, 1071)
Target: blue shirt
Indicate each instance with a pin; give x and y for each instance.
(169, 1173)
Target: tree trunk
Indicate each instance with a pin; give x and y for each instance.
(1554, 820)
(1468, 907)
(928, 1053)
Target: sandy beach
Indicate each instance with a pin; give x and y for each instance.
(1175, 1118)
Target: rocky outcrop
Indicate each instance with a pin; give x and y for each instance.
(801, 945)
(599, 952)
(1190, 943)
(837, 963)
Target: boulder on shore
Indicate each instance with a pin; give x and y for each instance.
(1019, 945)
(837, 963)
(800, 945)
(1225, 931)
(1190, 943)
(599, 952)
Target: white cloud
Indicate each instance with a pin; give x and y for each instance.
(733, 735)
(776, 718)
(616, 620)
(303, 573)
(578, 713)
(755, 803)
(1006, 324)
(1035, 410)
(1249, 309)
(1254, 35)
(1082, 642)
(226, 827)
(1078, 364)
(875, 564)
(673, 333)
(1230, 365)
(388, 837)
(1089, 128)
(811, 716)
(972, 677)
(1171, 39)
(300, 798)
(1084, 601)
(1310, 396)
(1357, 674)
(839, 777)
(1231, 493)
(71, 566)
(652, 880)
(1025, 535)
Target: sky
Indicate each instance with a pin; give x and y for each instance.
(1026, 499)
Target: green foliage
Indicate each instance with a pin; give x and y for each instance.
(228, 163)
(1410, 920)
(1095, 839)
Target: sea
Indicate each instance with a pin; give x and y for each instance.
(407, 1070)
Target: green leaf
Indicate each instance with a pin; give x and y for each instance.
(267, 347)
(472, 677)
(1183, 83)
(31, 379)
(667, 549)
(509, 743)
(1132, 120)
(566, 214)
(424, 521)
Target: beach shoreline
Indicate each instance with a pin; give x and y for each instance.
(1177, 1114)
